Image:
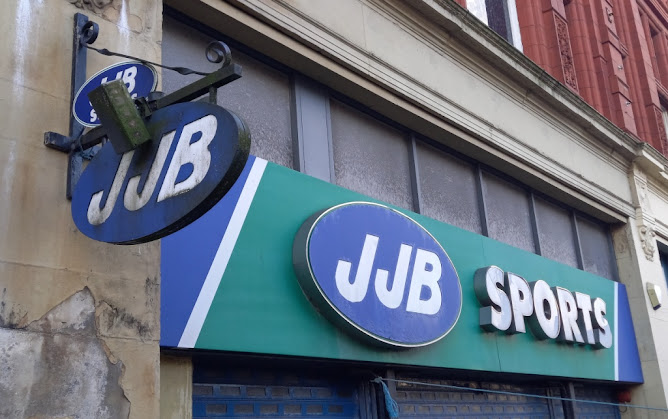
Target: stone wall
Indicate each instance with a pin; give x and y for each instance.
(79, 320)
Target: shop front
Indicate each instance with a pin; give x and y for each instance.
(292, 294)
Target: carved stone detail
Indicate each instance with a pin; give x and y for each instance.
(662, 128)
(639, 192)
(647, 241)
(96, 6)
(565, 52)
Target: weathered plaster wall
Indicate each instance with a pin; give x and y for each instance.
(176, 386)
(79, 320)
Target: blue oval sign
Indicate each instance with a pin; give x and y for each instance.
(378, 273)
(140, 79)
(197, 153)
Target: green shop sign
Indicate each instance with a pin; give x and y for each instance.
(286, 264)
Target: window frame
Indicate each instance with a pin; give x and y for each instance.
(510, 16)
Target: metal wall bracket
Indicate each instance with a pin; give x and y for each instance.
(79, 144)
(85, 32)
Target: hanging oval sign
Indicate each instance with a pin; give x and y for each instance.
(378, 274)
(140, 79)
(197, 152)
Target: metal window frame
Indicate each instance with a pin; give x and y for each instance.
(414, 168)
(304, 107)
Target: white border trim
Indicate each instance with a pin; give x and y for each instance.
(217, 270)
(616, 335)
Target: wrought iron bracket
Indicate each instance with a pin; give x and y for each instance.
(85, 32)
(79, 144)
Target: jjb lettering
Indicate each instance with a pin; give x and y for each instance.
(425, 276)
(191, 148)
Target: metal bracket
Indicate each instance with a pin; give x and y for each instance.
(79, 145)
(85, 32)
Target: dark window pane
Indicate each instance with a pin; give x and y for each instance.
(596, 252)
(448, 188)
(555, 233)
(370, 157)
(261, 97)
(664, 264)
(497, 18)
(508, 213)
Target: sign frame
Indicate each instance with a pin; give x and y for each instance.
(132, 171)
(318, 297)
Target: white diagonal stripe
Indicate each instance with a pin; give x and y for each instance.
(219, 264)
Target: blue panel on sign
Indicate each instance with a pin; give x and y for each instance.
(138, 196)
(628, 359)
(190, 263)
(384, 273)
(140, 79)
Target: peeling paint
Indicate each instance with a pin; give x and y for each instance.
(13, 317)
(57, 366)
(109, 318)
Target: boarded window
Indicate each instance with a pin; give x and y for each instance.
(370, 157)
(555, 233)
(596, 252)
(261, 97)
(448, 189)
(508, 212)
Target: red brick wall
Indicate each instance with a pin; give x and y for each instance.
(613, 53)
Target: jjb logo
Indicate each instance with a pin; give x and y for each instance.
(140, 80)
(426, 274)
(378, 274)
(197, 152)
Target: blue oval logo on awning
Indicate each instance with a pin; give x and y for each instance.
(378, 273)
(140, 79)
(197, 152)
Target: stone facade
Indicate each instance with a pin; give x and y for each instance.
(79, 320)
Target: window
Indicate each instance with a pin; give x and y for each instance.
(370, 157)
(595, 245)
(508, 212)
(261, 97)
(555, 232)
(663, 255)
(500, 16)
(450, 190)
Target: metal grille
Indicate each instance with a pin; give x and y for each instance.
(432, 402)
(270, 395)
(595, 411)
